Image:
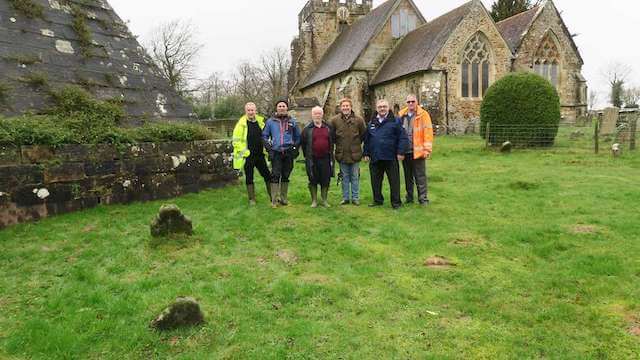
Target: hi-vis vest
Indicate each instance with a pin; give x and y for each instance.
(422, 133)
(240, 146)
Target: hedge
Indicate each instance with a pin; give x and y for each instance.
(78, 118)
(522, 108)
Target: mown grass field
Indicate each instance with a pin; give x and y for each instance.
(546, 244)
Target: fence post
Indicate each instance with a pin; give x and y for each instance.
(634, 129)
(487, 134)
(596, 135)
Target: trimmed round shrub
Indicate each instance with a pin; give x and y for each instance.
(523, 108)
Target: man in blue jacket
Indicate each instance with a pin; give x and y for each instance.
(385, 144)
(281, 138)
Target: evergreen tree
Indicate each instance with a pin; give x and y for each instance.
(503, 9)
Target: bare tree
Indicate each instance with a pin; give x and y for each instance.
(174, 49)
(274, 70)
(214, 88)
(616, 74)
(247, 83)
(631, 97)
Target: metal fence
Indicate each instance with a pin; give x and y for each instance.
(586, 136)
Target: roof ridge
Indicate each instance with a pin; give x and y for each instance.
(519, 14)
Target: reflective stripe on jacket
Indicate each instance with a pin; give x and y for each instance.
(240, 145)
(422, 133)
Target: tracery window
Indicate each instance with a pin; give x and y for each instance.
(476, 67)
(546, 62)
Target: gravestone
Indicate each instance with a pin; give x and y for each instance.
(184, 312)
(610, 121)
(171, 221)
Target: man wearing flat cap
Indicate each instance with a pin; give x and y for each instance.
(281, 137)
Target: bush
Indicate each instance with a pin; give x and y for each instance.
(78, 118)
(171, 132)
(34, 130)
(28, 8)
(229, 107)
(522, 108)
(76, 103)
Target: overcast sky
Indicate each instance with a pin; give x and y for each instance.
(236, 30)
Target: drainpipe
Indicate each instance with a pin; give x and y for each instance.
(446, 99)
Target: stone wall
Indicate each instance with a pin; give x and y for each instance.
(38, 181)
(47, 52)
(571, 88)
(464, 113)
(427, 86)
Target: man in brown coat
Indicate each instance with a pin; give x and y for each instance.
(349, 132)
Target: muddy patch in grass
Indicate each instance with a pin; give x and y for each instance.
(288, 257)
(439, 262)
(317, 279)
(468, 239)
(582, 229)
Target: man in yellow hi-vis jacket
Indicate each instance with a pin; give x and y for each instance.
(248, 150)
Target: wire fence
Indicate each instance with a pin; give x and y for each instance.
(589, 136)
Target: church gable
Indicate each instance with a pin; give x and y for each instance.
(549, 50)
(349, 45)
(548, 22)
(404, 18)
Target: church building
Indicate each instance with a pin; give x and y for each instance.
(347, 48)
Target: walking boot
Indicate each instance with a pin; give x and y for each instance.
(314, 196)
(284, 192)
(251, 194)
(325, 196)
(275, 189)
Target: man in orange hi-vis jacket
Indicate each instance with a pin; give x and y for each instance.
(417, 123)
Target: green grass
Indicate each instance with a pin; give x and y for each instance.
(546, 246)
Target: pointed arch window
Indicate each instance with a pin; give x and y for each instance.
(476, 67)
(546, 62)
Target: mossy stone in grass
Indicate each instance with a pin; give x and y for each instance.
(171, 221)
(184, 312)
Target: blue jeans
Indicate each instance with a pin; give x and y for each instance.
(350, 181)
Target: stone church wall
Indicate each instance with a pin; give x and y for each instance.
(464, 113)
(38, 181)
(572, 96)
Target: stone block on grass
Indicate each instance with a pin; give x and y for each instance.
(184, 312)
(171, 221)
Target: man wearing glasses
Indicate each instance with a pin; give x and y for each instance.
(385, 144)
(417, 123)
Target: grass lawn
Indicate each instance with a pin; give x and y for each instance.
(546, 245)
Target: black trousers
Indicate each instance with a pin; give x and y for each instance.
(256, 162)
(319, 171)
(281, 167)
(392, 169)
(415, 175)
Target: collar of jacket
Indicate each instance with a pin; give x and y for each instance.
(259, 119)
(390, 118)
(405, 111)
(348, 117)
(311, 126)
(276, 118)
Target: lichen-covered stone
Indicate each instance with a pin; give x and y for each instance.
(171, 221)
(184, 312)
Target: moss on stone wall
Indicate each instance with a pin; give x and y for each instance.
(28, 8)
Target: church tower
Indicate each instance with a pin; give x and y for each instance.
(319, 24)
